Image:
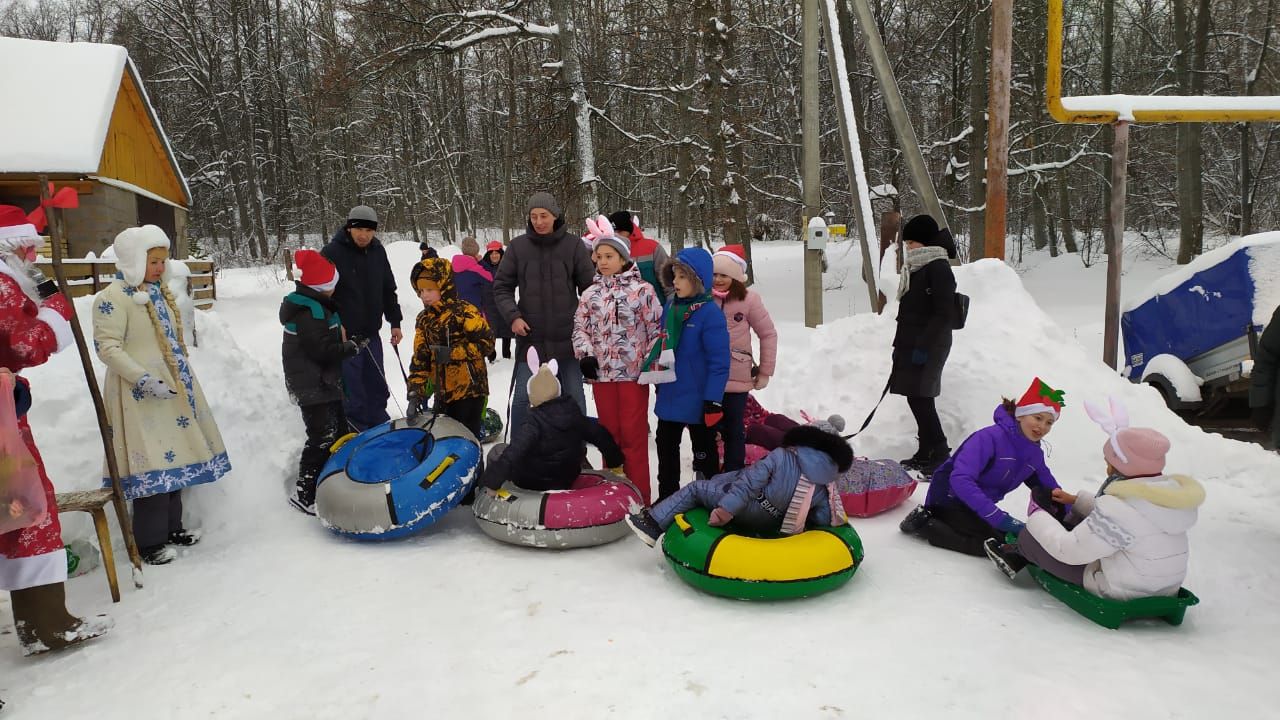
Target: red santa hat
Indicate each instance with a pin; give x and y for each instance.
(731, 260)
(1040, 398)
(16, 230)
(317, 272)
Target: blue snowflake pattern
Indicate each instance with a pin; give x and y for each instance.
(137, 394)
(105, 307)
(170, 456)
(130, 290)
(97, 346)
(184, 421)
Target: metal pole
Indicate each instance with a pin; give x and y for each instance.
(811, 167)
(1115, 232)
(897, 109)
(54, 217)
(998, 129)
(849, 143)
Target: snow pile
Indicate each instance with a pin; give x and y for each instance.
(1186, 384)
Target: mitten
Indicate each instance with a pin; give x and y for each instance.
(154, 387)
(919, 357)
(720, 517)
(1043, 498)
(590, 368)
(712, 413)
(762, 381)
(415, 405)
(1010, 524)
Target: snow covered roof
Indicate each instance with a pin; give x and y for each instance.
(61, 99)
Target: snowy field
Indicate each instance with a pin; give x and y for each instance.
(273, 617)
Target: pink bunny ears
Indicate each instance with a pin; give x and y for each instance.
(598, 228)
(1111, 422)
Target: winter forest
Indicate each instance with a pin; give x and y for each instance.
(445, 115)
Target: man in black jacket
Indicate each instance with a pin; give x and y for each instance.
(551, 268)
(366, 293)
(1264, 385)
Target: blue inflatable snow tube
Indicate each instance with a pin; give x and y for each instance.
(397, 478)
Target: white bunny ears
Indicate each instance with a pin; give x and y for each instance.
(543, 385)
(1111, 422)
(534, 364)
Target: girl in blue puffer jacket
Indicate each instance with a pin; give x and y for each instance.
(960, 511)
(788, 491)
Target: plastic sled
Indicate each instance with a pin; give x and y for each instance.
(1112, 613)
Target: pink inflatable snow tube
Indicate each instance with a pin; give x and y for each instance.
(591, 512)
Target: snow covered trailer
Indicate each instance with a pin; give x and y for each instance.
(1192, 334)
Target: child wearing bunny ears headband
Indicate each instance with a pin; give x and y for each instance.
(1128, 540)
(547, 452)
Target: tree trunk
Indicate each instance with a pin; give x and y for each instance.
(585, 158)
(1188, 66)
(1064, 211)
(978, 137)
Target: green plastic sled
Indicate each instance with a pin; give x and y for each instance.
(1111, 613)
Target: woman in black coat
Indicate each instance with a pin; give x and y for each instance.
(501, 330)
(926, 312)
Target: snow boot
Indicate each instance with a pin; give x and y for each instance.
(1006, 557)
(931, 460)
(301, 507)
(158, 555)
(43, 624)
(915, 521)
(645, 527)
(185, 538)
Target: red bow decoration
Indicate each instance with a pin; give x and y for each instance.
(64, 198)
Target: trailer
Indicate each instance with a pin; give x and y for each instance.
(1193, 333)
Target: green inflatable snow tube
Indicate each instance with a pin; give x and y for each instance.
(724, 563)
(1111, 613)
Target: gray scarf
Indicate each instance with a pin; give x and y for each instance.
(915, 260)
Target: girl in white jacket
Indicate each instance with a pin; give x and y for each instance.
(1129, 540)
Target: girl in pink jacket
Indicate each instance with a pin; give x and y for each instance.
(618, 319)
(744, 311)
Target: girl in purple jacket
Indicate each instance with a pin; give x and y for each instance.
(960, 511)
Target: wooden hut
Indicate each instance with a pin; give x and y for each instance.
(78, 112)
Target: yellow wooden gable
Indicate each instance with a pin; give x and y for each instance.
(134, 151)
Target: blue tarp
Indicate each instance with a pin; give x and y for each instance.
(1212, 307)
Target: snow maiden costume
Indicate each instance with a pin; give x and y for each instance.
(33, 564)
(164, 435)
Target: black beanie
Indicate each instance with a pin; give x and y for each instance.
(621, 221)
(922, 229)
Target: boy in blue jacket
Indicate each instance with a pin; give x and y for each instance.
(690, 366)
(787, 491)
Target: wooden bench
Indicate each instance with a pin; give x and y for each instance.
(94, 502)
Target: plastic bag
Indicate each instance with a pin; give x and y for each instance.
(22, 497)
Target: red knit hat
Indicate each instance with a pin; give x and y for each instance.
(494, 245)
(731, 260)
(317, 272)
(1040, 398)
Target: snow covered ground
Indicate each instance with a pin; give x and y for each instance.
(272, 616)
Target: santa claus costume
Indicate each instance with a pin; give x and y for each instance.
(35, 324)
(163, 433)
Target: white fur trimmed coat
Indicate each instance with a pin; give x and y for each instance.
(160, 445)
(1133, 539)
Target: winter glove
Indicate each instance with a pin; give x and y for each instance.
(1010, 524)
(762, 381)
(712, 413)
(415, 405)
(590, 368)
(719, 517)
(154, 387)
(1043, 497)
(1261, 417)
(919, 357)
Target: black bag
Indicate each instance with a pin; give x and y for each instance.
(961, 311)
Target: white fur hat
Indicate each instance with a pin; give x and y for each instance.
(131, 247)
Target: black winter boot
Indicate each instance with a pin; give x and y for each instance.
(645, 527)
(1006, 557)
(915, 521)
(42, 622)
(931, 459)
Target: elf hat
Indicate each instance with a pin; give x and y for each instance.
(731, 260)
(1040, 398)
(15, 229)
(317, 272)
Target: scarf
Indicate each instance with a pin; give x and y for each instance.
(915, 260)
(660, 365)
(798, 511)
(720, 295)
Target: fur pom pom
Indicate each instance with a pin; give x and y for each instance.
(812, 437)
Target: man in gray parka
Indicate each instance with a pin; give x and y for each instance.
(550, 268)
